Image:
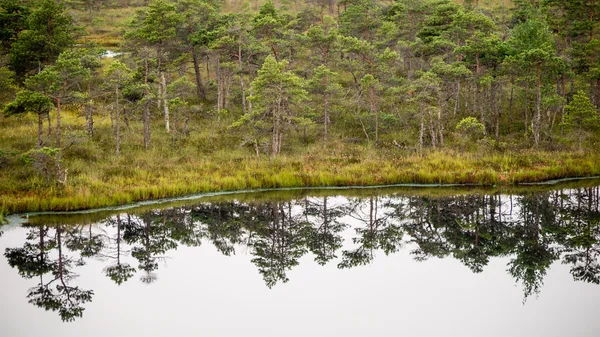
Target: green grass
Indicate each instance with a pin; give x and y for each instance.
(212, 160)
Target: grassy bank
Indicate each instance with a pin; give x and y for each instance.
(118, 183)
(213, 158)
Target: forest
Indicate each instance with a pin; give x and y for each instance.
(108, 102)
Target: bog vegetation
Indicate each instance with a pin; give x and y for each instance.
(108, 102)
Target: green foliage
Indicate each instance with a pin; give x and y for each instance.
(7, 84)
(118, 73)
(28, 101)
(13, 20)
(57, 81)
(471, 127)
(49, 30)
(277, 93)
(581, 114)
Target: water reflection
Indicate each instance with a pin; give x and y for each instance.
(533, 230)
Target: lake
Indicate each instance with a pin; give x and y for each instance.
(338, 262)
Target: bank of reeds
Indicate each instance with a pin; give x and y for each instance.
(114, 184)
(211, 159)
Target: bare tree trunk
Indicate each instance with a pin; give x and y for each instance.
(373, 110)
(118, 122)
(49, 127)
(325, 118)
(479, 102)
(249, 101)
(475, 98)
(468, 85)
(58, 108)
(241, 65)
(89, 112)
(562, 106)
(199, 86)
(510, 102)
(164, 98)
(422, 127)
(159, 95)
(494, 110)
(538, 106)
(219, 88)
(228, 79)
(432, 131)
(526, 110)
(457, 98)
(276, 127)
(146, 115)
(186, 128)
(40, 134)
(440, 125)
(112, 120)
(146, 118)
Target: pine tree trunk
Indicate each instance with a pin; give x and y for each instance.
(117, 122)
(58, 108)
(49, 136)
(325, 118)
(562, 106)
(432, 131)
(249, 101)
(89, 111)
(494, 110)
(199, 86)
(228, 80)
(538, 106)
(219, 89)
(457, 98)
(526, 110)
(241, 65)
(159, 96)
(40, 134)
(510, 103)
(146, 114)
(165, 105)
(373, 110)
(422, 127)
(440, 125)
(276, 129)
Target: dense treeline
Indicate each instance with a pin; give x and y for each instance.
(404, 75)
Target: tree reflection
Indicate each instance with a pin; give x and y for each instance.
(279, 242)
(323, 230)
(55, 293)
(375, 232)
(118, 271)
(581, 235)
(531, 231)
(533, 250)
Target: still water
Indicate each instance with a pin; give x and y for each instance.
(373, 262)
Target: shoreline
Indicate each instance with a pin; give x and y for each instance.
(199, 196)
(260, 175)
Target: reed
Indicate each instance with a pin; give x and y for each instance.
(211, 160)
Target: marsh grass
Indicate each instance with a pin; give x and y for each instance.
(211, 159)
